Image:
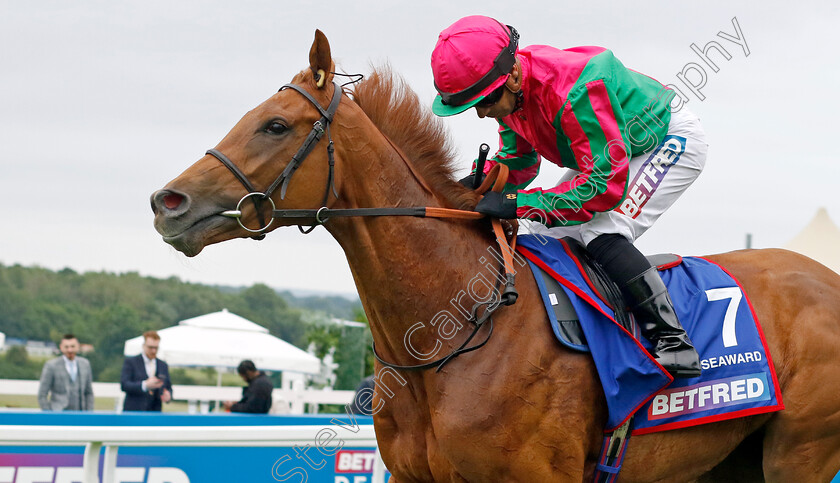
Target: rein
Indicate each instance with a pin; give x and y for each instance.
(495, 180)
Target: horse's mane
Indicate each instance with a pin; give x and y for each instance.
(396, 110)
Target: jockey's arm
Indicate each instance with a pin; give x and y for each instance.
(592, 127)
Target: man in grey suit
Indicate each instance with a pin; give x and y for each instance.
(66, 381)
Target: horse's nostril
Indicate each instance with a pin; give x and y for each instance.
(172, 201)
(169, 203)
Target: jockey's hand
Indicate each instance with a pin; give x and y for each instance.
(469, 181)
(498, 205)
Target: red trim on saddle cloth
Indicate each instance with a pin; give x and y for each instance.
(666, 266)
(735, 414)
(580, 293)
(710, 419)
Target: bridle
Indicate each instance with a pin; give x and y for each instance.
(318, 129)
(496, 177)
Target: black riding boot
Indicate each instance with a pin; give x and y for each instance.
(651, 304)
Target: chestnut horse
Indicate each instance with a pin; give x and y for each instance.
(521, 408)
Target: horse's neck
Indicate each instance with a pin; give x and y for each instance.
(407, 269)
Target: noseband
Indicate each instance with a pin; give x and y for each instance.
(320, 127)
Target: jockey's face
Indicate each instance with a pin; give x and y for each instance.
(502, 108)
(507, 103)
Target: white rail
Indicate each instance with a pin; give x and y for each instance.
(286, 400)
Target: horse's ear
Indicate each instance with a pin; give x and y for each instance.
(320, 60)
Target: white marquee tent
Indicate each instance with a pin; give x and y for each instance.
(819, 240)
(222, 340)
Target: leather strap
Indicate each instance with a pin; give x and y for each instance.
(330, 111)
(477, 320)
(318, 129)
(323, 214)
(233, 169)
(242, 179)
(495, 180)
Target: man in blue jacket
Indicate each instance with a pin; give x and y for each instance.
(145, 378)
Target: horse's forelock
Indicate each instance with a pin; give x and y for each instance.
(304, 78)
(397, 111)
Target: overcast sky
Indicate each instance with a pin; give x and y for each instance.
(103, 102)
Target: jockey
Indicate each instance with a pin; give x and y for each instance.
(629, 154)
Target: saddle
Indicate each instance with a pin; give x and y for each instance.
(565, 323)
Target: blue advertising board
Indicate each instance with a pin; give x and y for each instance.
(303, 461)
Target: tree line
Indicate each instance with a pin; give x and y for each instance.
(105, 309)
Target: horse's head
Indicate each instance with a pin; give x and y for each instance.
(260, 155)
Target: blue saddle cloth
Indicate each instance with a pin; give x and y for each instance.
(738, 377)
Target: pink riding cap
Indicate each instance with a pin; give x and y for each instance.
(465, 53)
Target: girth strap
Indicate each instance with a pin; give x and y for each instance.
(612, 454)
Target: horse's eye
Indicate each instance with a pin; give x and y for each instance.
(275, 127)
